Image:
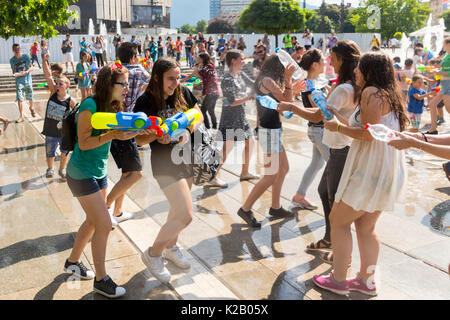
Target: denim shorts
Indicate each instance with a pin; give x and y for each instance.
(445, 87)
(86, 187)
(51, 143)
(270, 140)
(20, 88)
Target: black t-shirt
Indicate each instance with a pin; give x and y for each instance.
(307, 104)
(162, 163)
(268, 118)
(54, 114)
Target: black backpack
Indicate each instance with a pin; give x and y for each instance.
(69, 129)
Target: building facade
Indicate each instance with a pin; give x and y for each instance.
(214, 8)
(129, 13)
(233, 6)
(151, 13)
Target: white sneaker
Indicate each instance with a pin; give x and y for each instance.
(124, 216)
(174, 254)
(216, 182)
(113, 219)
(156, 266)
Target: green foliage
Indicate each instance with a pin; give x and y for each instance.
(187, 28)
(395, 16)
(220, 26)
(446, 16)
(33, 17)
(332, 19)
(201, 26)
(273, 17)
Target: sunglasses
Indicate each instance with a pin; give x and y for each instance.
(259, 52)
(123, 84)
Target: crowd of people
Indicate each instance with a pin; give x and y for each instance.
(362, 178)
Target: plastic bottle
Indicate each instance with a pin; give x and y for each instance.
(380, 132)
(286, 59)
(270, 103)
(319, 99)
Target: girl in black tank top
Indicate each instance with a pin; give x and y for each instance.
(276, 81)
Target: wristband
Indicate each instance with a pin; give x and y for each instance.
(289, 88)
(337, 128)
(424, 137)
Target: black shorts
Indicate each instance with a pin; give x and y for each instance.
(183, 172)
(86, 187)
(126, 155)
(441, 104)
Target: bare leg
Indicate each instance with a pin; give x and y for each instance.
(98, 226)
(271, 168)
(63, 161)
(341, 218)
(248, 151)
(368, 242)
(433, 112)
(278, 183)
(180, 216)
(20, 104)
(117, 194)
(227, 147)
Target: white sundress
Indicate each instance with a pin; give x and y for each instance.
(374, 175)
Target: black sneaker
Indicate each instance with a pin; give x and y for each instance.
(79, 269)
(280, 213)
(108, 288)
(249, 218)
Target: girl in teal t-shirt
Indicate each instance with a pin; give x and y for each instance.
(82, 72)
(87, 179)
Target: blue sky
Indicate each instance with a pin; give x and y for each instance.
(199, 9)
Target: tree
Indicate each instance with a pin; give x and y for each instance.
(33, 17)
(187, 28)
(220, 26)
(446, 16)
(201, 26)
(272, 17)
(391, 16)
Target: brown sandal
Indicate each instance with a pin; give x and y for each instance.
(319, 245)
(328, 258)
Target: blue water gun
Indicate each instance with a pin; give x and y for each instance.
(125, 121)
(177, 124)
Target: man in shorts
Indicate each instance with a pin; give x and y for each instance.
(125, 152)
(21, 68)
(67, 51)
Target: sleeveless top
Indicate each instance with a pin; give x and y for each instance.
(54, 114)
(268, 118)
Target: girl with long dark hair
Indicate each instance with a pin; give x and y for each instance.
(87, 178)
(164, 97)
(342, 100)
(275, 81)
(373, 177)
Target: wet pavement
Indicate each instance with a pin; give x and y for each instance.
(39, 219)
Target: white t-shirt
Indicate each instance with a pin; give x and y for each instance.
(407, 74)
(98, 50)
(416, 60)
(307, 40)
(342, 99)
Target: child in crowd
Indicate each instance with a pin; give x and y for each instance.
(417, 59)
(59, 102)
(82, 73)
(405, 75)
(415, 106)
(51, 73)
